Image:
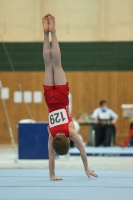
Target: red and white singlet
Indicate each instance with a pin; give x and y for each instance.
(57, 101)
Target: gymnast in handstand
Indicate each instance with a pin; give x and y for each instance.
(56, 90)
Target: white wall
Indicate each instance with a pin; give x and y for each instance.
(86, 20)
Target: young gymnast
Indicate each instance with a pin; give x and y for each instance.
(56, 90)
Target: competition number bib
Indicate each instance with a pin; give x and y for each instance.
(58, 117)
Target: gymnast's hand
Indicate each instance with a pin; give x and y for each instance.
(54, 178)
(89, 172)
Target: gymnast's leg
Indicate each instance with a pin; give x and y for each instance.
(59, 75)
(49, 76)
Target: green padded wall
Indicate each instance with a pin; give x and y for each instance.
(87, 56)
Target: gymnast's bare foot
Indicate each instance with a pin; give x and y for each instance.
(45, 24)
(51, 22)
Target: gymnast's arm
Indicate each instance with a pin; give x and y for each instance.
(78, 143)
(51, 159)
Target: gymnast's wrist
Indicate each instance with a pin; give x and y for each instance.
(87, 169)
(52, 174)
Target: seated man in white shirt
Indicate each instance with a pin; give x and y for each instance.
(105, 119)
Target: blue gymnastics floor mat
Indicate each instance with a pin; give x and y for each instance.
(35, 185)
(104, 151)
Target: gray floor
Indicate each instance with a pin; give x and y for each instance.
(7, 158)
(34, 184)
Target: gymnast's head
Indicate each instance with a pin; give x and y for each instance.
(61, 144)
